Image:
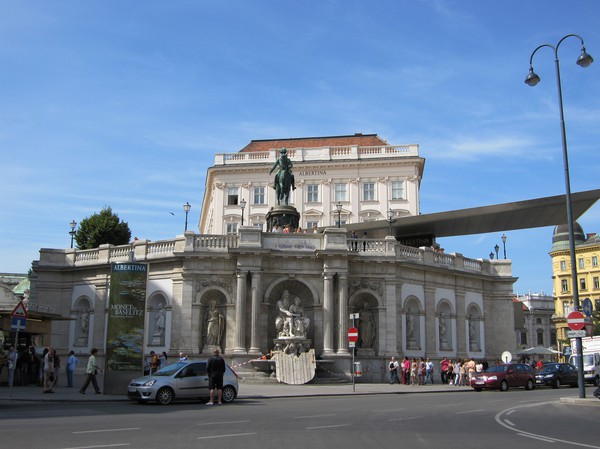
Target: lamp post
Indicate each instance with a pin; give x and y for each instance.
(497, 248)
(243, 206)
(186, 208)
(504, 244)
(584, 60)
(338, 206)
(491, 256)
(390, 219)
(72, 232)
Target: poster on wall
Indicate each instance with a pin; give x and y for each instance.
(126, 313)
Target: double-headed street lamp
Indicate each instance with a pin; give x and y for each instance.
(72, 232)
(186, 208)
(390, 219)
(338, 206)
(584, 60)
(243, 206)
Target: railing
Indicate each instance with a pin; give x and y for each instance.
(160, 248)
(215, 242)
(87, 255)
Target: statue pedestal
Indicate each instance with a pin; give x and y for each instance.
(282, 215)
(209, 349)
(292, 345)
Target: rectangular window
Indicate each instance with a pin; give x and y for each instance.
(552, 338)
(594, 261)
(397, 190)
(312, 193)
(258, 225)
(232, 196)
(259, 195)
(540, 338)
(311, 225)
(340, 192)
(582, 285)
(563, 265)
(524, 338)
(564, 285)
(581, 263)
(596, 282)
(232, 228)
(368, 191)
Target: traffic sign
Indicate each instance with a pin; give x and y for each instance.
(575, 334)
(576, 320)
(19, 311)
(586, 307)
(352, 334)
(18, 324)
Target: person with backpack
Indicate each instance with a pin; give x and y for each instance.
(215, 368)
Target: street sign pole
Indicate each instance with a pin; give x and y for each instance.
(18, 315)
(352, 343)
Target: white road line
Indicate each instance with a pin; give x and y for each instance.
(227, 436)
(106, 430)
(470, 411)
(547, 440)
(447, 405)
(510, 423)
(218, 423)
(313, 416)
(327, 427)
(404, 419)
(103, 445)
(388, 411)
(510, 412)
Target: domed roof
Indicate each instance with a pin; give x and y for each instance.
(560, 236)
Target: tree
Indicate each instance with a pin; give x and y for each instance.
(100, 228)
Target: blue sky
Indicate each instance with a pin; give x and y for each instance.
(125, 104)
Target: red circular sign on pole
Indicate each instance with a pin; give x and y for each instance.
(352, 334)
(576, 320)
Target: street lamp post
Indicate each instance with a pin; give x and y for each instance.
(504, 244)
(497, 248)
(584, 60)
(243, 206)
(390, 219)
(186, 208)
(338, 206)
(72, 232)
(491, 256)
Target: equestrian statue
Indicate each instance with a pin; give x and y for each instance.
(284, 178)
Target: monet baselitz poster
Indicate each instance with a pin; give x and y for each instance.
(126, 307)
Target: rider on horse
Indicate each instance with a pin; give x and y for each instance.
(285, 165)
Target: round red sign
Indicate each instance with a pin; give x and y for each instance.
(576, 320)
(352, 334)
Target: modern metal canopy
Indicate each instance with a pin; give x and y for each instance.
(535, 213)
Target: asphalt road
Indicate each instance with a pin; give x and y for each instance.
(466, 419)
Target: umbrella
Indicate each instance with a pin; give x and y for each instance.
(539, 350)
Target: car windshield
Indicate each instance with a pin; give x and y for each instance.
(496, 369)
(550, 367)
(169, 370)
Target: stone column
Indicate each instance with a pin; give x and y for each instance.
(255, 323)
(328, 314)
(429, 344)
(343, 314)
(462, 334)
(240, 313)
(388, 323)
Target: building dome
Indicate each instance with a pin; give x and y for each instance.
(560, 236)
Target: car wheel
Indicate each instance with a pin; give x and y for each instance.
(504, 386)
(556, 384)
(165, 396)
(228, 394)
(529, 385)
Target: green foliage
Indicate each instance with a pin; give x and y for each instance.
(100, 228)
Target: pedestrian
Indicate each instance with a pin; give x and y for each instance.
(365, 241)
(56, 361)
(154, 362)
(414, 368)
(91, 371)
(444, 370)
(429, 371)
(596, 392)
(48, 374)
(354, 237)
(405, 370)
(24, 365)
(393, 371)
(215, 368)
(72, 362)
(182, 357)
(163, 359)
(422, 371)
(12, 364)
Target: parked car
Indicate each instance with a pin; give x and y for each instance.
(180, 380)
(557, 374)
(503, 376)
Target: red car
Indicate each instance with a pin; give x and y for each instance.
(502, 377)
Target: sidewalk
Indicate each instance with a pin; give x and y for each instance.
(256, 391)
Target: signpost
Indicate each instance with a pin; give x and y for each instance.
(577, 334)
(352, 337)
(576, 320)
(19, 316)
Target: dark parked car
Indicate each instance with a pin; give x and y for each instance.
(557, 374)
(180, 380)
(503, 376)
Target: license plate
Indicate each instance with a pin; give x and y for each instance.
(132, 389)
(538, 381)
(479, 383)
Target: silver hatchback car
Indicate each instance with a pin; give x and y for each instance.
(180, 380)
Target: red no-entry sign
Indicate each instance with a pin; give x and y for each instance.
(576, 320)
(352, 334)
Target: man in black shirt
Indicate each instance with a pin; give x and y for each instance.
(215, 368)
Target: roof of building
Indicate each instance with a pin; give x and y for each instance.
(360, 139)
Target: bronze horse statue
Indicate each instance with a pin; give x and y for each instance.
(284, 178)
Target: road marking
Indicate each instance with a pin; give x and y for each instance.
(447, 405)
(547, 440)
(227, 436)
(218, 423)
(327, 427)
(404, 419)
(510, 423)
(470, 411)
(103, 445)
(107, 430)
(313, 416)
(388, 411)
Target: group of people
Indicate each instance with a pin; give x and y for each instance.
(154, 362)
(421, 371)
(288, 229)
